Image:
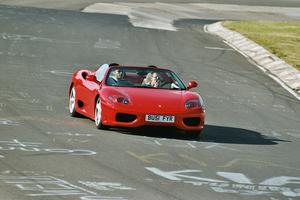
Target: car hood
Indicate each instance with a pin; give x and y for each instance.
(154, 100)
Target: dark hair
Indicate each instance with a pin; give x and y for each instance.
(113, 65)
(152, 66)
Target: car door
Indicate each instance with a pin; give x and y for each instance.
(91, 87)
(89, 91)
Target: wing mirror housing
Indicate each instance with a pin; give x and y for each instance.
(192, 84)
(91, 77)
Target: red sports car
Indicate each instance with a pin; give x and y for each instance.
(128, 96)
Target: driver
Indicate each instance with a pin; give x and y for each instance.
(114, 77)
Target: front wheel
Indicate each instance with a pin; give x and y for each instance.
(72, 103)
(98, 115)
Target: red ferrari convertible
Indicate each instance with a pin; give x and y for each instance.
(127, 96)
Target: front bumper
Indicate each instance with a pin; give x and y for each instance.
(188, 120)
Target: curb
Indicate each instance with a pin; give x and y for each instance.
(268, 62)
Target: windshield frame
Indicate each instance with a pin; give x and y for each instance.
(144, 71)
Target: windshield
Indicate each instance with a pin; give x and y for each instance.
(144, 78)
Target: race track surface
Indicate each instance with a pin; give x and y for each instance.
(80, 4)
(250, 146)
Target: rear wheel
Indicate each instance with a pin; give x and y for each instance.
(98, 115)
(72, 103)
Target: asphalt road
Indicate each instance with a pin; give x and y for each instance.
(80, 4)
(250, 146)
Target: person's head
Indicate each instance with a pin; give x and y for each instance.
(154, 76)
(148, 77)
(117, 73)
(154, 79)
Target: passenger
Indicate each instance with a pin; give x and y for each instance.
(151, 80)
(147, 80)
(155, 80)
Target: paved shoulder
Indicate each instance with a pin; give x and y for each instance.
(162, 15)
(279, 70)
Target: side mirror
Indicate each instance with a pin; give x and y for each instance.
(192, 84)
(91, 77)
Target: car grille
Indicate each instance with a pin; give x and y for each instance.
(192, 121)
(123, 117)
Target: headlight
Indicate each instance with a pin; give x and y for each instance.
(195, 103)
(118, 99)
(123, 100)
(202, 103)
(192, 103)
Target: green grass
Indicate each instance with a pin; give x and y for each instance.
(280, 38)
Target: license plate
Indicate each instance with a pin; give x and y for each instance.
(160, 118)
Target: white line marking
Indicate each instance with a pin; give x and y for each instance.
(66, 187)
(107, 44)
(16, 37)
(178, 176)
(235, 177)
(156, 142)
(191, 145)
(293, 134)
(228, 148)
(49, 108)
(35, 101)
(235, 183)
(62, 73)
(211, 146)
(102, 198)
(219, 48)
(24, 144)
(8, 122)
(24, 94)
(105, 185)
(275, 134)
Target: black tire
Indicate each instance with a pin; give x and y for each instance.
(72, 103)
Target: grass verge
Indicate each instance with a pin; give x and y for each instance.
(280, 38)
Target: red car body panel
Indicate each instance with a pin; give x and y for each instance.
(142, 101)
